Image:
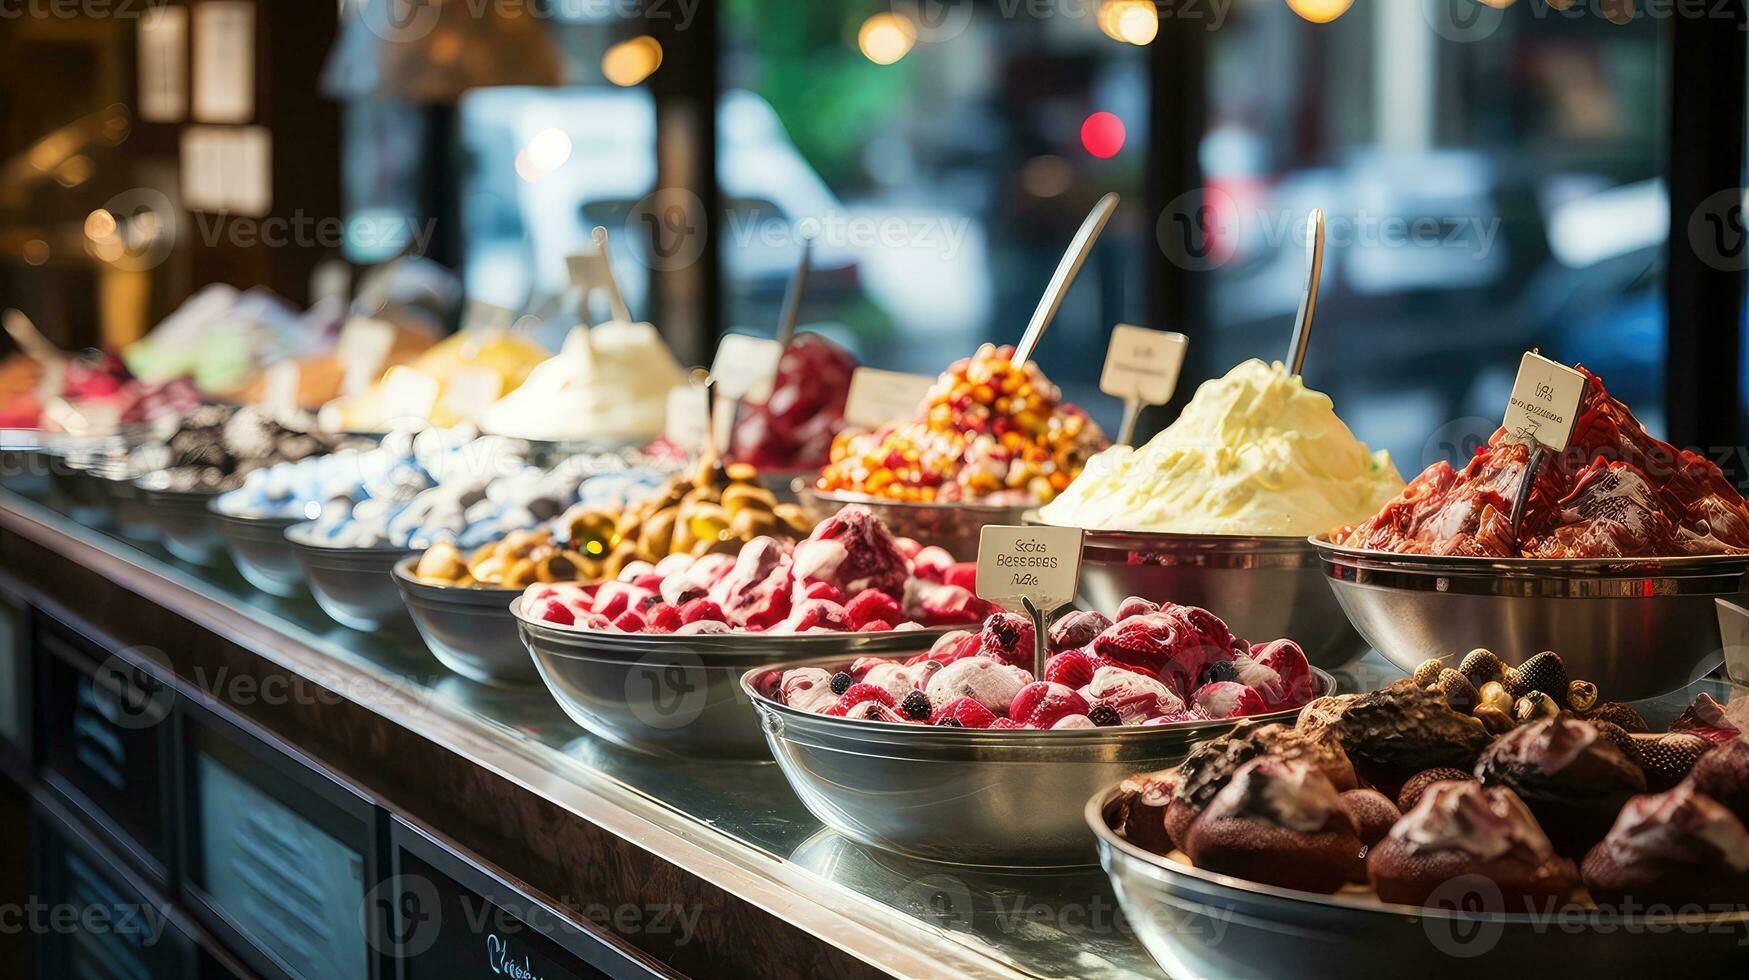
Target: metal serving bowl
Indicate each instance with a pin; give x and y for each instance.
(1264, 587)
(352, 585)
(1009, 798)
(260, 551)
(954, 527)
(127, 503)
(681, 695)
(1637, 628)
(184, 523)
(1200, 924)
(468, 627)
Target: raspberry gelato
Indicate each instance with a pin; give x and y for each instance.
(1617, 492)
(794, 428)
(851, 574)
(1180, 664)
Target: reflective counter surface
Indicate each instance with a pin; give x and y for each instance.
(1029, 924)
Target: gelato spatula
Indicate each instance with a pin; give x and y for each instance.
(1296, 353)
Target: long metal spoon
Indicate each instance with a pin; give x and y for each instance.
(1065, 276)
(1296, 353)
(792, 300)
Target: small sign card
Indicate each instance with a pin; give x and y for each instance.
(1032, 569)
(1142, 364)
(877, 397)
(1545, 402)
(688, 425)
(279, 390)
(481, 315)
(1734, 630)
(470, 390)
(363, 347)
(746, 367)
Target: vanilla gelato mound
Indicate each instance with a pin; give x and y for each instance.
(1255, 452)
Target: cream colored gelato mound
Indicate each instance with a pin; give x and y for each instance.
(610, 382)
(1255, 452)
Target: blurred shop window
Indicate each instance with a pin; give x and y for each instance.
(1493, 180)
(941, 169)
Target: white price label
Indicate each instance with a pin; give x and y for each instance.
(877, 397)
(746, 367)
(688, 425)
(1143, 364)
(363, 347)
(481, 315)
(1734, 631)
(1038, 563)
(409, 395)
(279, 394)
(470, 390)
(1545, 402)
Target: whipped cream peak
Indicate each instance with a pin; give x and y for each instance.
(1285, 792)
(1681, 826)
(1255, 452)
(1554, 743)
(610, 381)
(1484, 822)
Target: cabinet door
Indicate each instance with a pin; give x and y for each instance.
(105, 725)
(277, 855)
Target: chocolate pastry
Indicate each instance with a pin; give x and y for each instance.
(1667, 759)
(1208, 767)
(1139, 812)
(1618, 713)
(1677, 848)
(1573, 778)
(1462, 828)
(1372, 813)
(1278, 822)
(1418, 783)
(1723, 774)
(1397, 731)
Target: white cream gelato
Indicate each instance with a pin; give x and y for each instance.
(610, 382)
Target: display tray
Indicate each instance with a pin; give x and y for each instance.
(740, 824)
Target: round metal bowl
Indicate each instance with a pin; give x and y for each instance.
(680, 695)
(1199, 924)
(468, 627)
(1637, 628)
(127, 502)
(954, 527)
(1264, 587)
(1007, 799)
(260, 551)
(352, 585)
(185, 525)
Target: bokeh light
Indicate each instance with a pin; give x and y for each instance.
(885, 38)
(1320, 11)
(1131, 21)
(630, 62)
(1102, 134)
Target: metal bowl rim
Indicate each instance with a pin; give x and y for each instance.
(250, 520)
(488, 594)
(802, 488)
(163, 495)
(300, 540)
(802, 643)
(1333, 553)
(891, 734)
(1159, 865)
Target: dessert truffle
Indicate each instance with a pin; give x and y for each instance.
(1723, 774)
(1397, 731)
(1278, 822)
(1418, 783)
(1465, 828)
(1372, 813)
(1667, 759)
(1676, 848)
(1139, 812)
(1570, 776)
(1208, 767)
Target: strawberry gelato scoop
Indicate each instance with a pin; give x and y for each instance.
(851, 574)
(1157, 665)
